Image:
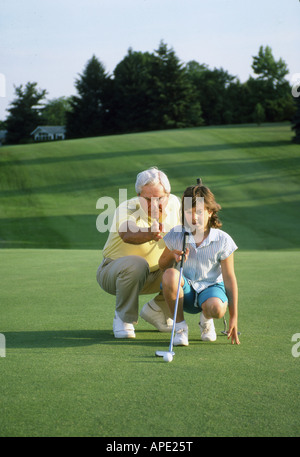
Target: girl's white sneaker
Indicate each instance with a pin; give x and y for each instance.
(207, 328)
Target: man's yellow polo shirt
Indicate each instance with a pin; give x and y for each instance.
(131, 210)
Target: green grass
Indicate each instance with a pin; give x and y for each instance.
(64, 374)
(48, 192)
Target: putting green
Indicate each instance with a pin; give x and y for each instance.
(65, 375)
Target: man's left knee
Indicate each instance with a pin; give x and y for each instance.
(135, 267)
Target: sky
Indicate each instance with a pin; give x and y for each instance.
(51, 41)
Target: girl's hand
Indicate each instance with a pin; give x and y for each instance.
(178, 255)
(233, 332)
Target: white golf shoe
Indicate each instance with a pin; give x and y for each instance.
(154, 315)
(207, 328)
(181, 334)
(122, 329)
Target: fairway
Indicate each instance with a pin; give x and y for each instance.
(64, 374)
(49, 191)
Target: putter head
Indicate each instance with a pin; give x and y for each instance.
(162, 353)
(225, 331)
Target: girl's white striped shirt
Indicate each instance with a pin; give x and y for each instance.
(202, 268)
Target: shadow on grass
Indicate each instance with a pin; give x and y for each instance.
(64, 158)
(52, 232)
(56, 338)
(79, 338)
(74, 338)
(249, 166)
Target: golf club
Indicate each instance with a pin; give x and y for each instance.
(168, 355)
(225, 331)
(225, 326)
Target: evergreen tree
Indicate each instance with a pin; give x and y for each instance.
(211, 88)
(235, 103)
(131, 103)
(88, 113)
(152, 92)
(173, 101)
(24, 113)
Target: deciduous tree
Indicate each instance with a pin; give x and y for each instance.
(25, 113)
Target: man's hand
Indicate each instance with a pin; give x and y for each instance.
(132, 234)
(156, 230)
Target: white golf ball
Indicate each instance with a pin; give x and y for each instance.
(168, 357)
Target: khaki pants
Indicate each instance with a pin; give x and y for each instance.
(127, 278)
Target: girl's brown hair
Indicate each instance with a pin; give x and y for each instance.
(209, 201)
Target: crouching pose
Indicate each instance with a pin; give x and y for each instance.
(131, 253)
(208, 282)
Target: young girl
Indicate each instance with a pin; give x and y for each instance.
(208, 282)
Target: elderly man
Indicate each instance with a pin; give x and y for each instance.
(132, 250)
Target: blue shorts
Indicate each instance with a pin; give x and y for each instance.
(189, 305)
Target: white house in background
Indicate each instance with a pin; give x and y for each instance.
(49, 133)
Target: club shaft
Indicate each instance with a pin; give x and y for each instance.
(178, 291)
(175, 311)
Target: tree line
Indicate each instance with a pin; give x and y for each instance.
(154, 91)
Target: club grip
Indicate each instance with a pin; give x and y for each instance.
(185, 235)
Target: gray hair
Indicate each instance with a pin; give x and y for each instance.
(152, 176)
